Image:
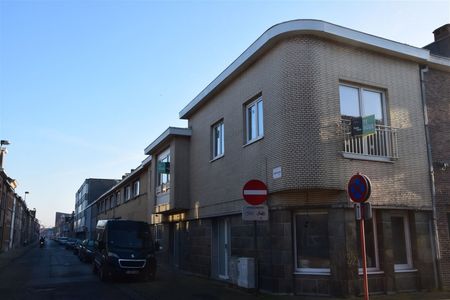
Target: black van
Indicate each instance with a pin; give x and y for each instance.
(124, 247)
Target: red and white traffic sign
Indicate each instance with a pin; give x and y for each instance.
(255, 192)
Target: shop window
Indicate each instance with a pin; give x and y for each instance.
(311, 242)
(401, 242)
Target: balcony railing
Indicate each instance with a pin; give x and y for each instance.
(382, 144)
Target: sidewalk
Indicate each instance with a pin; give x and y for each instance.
(213, 289)
(7, 257)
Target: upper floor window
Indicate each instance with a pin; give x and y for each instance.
(136, 188)
(218, 140)
(127, 193)
(163, 172)
(361, 102)
(118, 197)
(254, 120)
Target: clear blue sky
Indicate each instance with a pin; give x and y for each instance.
(85, 86)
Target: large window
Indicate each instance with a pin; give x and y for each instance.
(312, 247)
(370, 230)
(401, 242)
(254, 120)
(361, 102)
(218, 147)
(163, 171)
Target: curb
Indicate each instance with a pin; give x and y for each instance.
(8, 257)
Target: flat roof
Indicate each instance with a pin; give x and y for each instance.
(318, 28)
(171, 131)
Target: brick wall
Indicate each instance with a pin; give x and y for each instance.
(298, 80)
(438, 103)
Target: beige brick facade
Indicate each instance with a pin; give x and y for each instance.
(299, 83)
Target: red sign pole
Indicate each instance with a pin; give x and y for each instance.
(363, 256)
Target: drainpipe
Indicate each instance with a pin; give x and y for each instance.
(436, 265)
(11, 233)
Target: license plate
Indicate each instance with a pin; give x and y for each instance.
(131, 272)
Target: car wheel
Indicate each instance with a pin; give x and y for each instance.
(103, 274)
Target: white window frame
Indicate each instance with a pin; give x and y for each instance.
(409, 264)
(313, 271)
(375, 242)
(259, 130)
(136, 186)
(127, 193)
(221, 147)
(361, 102)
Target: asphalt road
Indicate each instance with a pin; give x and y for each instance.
(55, 273)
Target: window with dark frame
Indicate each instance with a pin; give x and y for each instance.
(312, 245)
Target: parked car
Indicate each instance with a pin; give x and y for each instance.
(62, 240)
(70, 243)
(124, 248)
(86, 251)
(76, 247)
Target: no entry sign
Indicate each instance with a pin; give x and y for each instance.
(359, 188)
(255, 192)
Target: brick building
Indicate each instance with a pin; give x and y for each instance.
(127, 199)
(281, 113)
(436, 83)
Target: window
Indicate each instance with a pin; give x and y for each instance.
(218, 140)
(254, 120)
(401, 242)
(311, 241)
(118, 197)
(136, 188)
(370, 230)
(163, 171)
(361, 102)
(127, 193)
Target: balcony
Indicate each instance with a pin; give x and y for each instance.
(381, 146)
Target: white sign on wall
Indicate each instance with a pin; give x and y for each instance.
(276, 173)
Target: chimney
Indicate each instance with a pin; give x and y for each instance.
(442, 32)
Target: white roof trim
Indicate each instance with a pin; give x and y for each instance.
(316, 27)
(169, 131)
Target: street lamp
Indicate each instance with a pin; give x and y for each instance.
(2, 151)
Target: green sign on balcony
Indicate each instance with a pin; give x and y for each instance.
(163, 167)
(363, 125)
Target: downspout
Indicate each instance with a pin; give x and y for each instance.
(11, 233)
(436, 265)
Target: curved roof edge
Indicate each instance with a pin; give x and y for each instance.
(171, 131)
(315, 27)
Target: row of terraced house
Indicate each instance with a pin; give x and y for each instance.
(18, 224)
(282, 113)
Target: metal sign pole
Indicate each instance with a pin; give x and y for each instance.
(363, 256)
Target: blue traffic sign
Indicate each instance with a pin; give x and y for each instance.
(359, 188)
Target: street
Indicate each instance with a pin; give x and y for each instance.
(53, 272)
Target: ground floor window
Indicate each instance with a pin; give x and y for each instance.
(401, 242)
(370, 230)
(311, 242)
